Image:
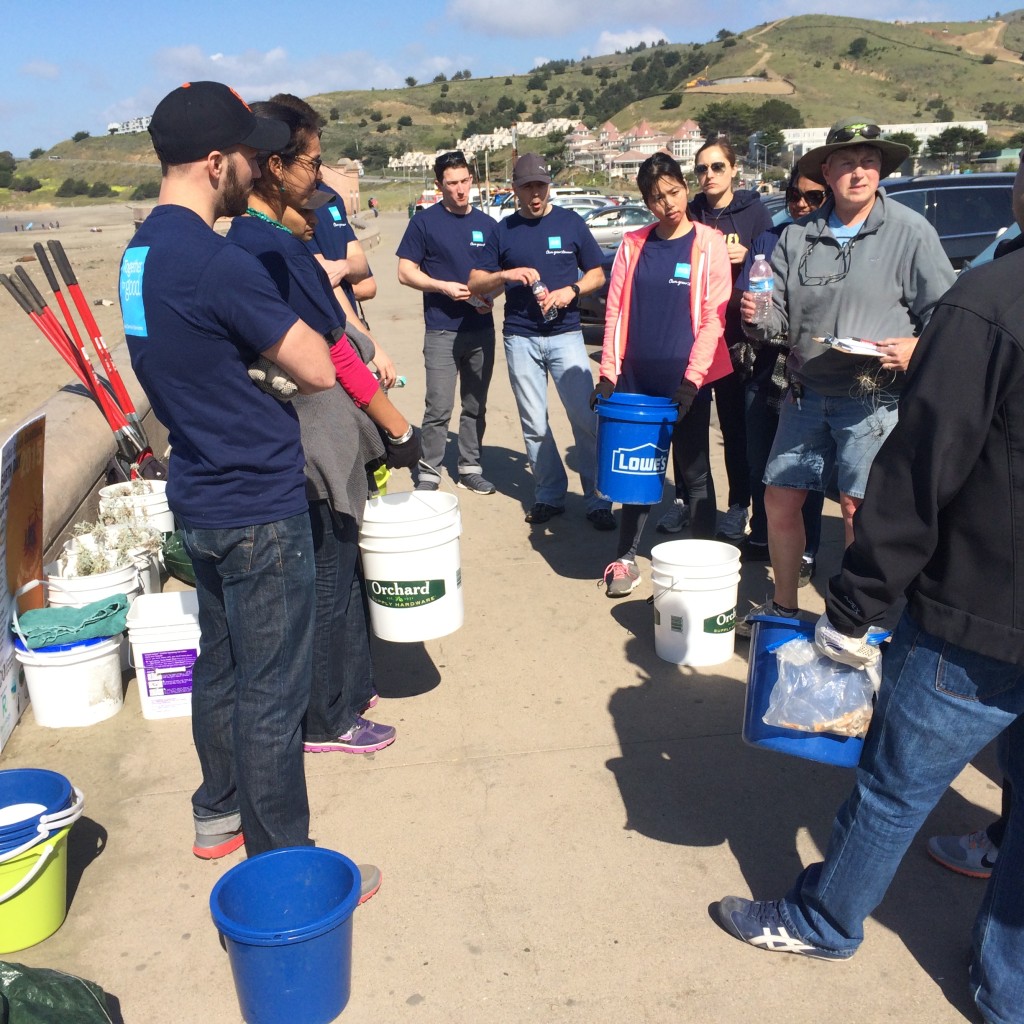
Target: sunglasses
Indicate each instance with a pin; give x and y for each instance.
(453, 159)
(812, 197)
(718, 166)
(851, 131)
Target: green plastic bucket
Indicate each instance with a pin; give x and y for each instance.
(34, 893)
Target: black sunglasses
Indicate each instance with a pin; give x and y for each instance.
(446, 160)
(812, 197)
(718, 166)
(850, 132)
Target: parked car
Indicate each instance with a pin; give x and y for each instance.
(609, 223)
(581, 204)
(592, 306)
(988, 254)
(967, 210)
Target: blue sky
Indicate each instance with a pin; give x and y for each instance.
(72, 66)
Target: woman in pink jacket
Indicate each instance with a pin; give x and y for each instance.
(664, 335)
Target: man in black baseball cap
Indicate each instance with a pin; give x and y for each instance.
(199, 117)
(198, 310)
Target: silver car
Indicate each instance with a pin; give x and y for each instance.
(610, 223)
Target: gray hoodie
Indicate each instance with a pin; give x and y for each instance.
(885, 284)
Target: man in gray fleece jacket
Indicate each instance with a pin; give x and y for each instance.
(860, 267)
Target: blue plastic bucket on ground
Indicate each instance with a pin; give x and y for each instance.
(768, 634)
(286, 918)
(634, 434)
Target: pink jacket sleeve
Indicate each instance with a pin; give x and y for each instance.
(353, 374)
(611, 351)
(709, 358)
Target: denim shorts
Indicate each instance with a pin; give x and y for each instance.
(821, 433)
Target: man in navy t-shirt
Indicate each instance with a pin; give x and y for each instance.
(197, 311)
(542, 333)
(435, 256)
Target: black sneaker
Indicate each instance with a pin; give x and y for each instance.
(759, 923)
(476, 483)
(541, 512)
(808, 567)
(601, 519)
(754, 552)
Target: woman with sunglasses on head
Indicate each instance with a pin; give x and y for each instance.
(740, 216)
(765, 389)
(663, 336)
(341, 443)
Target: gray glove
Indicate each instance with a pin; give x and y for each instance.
(854, 651)
(269, 377)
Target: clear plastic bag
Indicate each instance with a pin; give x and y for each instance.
(816, 694)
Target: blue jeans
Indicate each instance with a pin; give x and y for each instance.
(938, 706)
(530, 360)
(342, 679)
(250, 684)
(447, 355)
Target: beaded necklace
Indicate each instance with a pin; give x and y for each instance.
(259, 215)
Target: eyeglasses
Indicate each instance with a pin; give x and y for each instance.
(315, 162)
(844, 257)
(812, 197)
(851, 131)
(718, 166)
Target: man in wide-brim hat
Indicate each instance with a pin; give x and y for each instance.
(851, 132)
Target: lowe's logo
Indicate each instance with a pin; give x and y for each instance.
(405, 593)
(644, 460)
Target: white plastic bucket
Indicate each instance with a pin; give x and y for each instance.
(75, 684)
(411, 562)
(695, 586)
(151, 506)
(163, 631)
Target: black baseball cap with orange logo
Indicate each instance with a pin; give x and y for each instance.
(199, 117)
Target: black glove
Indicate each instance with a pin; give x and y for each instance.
(684, 396)
(403, 454)
(605, 388)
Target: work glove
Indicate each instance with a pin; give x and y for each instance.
(854, 651)
(403, 454)
(269, 377)
(605, 389)
(684, 396)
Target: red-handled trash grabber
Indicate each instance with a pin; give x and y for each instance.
(95, 335)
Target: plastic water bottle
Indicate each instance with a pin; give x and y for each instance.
(761, 284)
(540, 293)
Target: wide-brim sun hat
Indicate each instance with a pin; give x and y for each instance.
(853, 132)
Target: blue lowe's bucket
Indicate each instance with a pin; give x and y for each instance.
(769, 633)
(634, 434)
(286, 918)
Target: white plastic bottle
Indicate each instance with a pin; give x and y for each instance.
(540, 293)
(761, 283)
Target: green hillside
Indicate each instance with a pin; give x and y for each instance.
(824, 66)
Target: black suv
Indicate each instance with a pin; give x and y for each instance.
(967, 210)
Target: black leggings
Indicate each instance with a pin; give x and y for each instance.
(691, 464)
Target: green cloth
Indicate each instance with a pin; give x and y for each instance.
(49, 627)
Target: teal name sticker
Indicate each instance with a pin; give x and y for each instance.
(133, 310)
(682, 272)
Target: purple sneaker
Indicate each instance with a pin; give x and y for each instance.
(363, 738)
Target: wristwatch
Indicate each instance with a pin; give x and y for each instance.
(576, 289)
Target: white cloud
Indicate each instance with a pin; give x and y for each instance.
(609, 42)
(40, 69)
(532, 18)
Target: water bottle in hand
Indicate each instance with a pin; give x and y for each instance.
(540, 293)
(762, 281)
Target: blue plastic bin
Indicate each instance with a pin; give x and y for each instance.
(634, 434)
(769, 633)
(286, 918)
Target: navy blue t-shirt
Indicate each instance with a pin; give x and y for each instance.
(445, 246)
(558, 246)
(300, 280)
(197, 311)
(332, 235)
(660, 328)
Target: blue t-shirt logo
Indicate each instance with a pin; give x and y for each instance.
(554, 241)
(682, 272)
(133, 310)
(336, 214)
(478, 238)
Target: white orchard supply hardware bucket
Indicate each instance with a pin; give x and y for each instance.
(150, 506)
(411, 562)
(73, 684)
(163, 631)
(695, 585)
